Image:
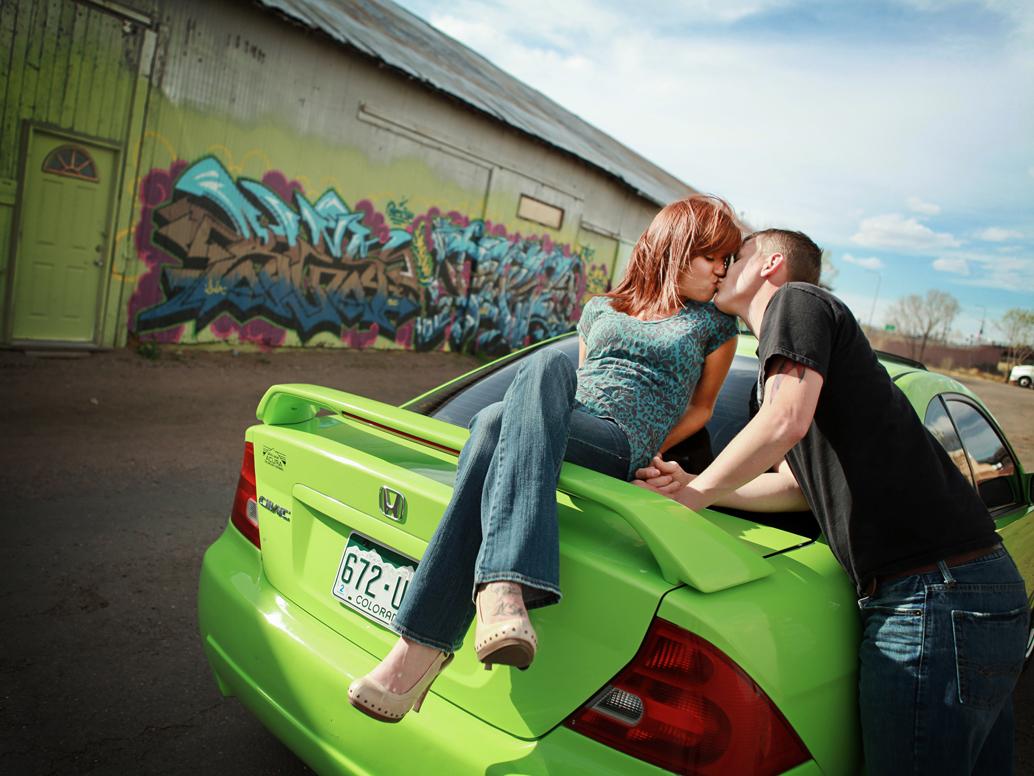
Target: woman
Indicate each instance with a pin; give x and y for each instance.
(652, 356)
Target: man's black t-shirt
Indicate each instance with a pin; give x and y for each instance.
(884, 491)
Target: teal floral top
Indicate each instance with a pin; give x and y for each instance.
(642, 374)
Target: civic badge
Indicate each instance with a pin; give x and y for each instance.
(393, 504)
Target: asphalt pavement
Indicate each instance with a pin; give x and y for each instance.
(116, 473)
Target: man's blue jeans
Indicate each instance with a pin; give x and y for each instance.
(501, 523)
(939, 658)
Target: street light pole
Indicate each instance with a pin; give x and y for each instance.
(876, 295)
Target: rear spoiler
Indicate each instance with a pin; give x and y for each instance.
(687, 547)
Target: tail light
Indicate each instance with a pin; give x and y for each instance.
(683, 705)
(244, 514)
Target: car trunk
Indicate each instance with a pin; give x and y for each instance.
(320, 489)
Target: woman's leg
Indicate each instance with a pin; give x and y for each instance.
(437, 610)
(520, 538)
(518, 505)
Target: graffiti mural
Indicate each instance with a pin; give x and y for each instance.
(257, 259)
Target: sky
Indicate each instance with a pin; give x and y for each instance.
(898, 134)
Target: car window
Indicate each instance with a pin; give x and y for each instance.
(943, 430)
(993, 467)
(464, 403)
(731, 412)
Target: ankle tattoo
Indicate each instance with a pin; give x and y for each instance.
(509, 599)
(508, 607)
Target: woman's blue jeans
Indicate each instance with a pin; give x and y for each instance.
(501, 523)
(939, 658)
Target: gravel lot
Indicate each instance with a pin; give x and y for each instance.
(117, 472)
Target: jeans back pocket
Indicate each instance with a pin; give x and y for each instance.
(989, 650)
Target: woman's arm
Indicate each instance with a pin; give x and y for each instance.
(701, 404)
(581, 351)
(774, 491)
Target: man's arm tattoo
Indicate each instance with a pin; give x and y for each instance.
(784, 367)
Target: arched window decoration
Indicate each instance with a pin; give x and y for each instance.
(72, 162)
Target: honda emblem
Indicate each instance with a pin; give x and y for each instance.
(393, 504)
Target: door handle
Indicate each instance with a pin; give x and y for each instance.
(98, 262)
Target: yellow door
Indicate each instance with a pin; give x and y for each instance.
(63, 239)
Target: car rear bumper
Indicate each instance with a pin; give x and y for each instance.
(293, 672)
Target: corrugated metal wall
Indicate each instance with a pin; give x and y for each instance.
(291, 191)
(64, 66)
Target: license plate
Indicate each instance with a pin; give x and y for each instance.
(372, 579)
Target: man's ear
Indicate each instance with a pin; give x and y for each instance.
(771, 265)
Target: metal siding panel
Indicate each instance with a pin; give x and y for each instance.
(125, 71)
(33, 57)
(8, 14)
(76, 51)
(122, 91)
(11, 131)
(49, 75)
(83, 99)
(9, 108)
(106, 91)
(407, 43)
(62, 61)
(23, 83)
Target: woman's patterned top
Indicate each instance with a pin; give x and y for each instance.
(642, 374)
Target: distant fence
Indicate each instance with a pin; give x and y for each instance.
(941, 355)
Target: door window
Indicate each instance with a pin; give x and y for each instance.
(71, 161)
(994, 469)
(943, 430)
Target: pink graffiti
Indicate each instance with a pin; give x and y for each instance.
(358, 339)
(257, 332)
(404, 335)
(155, 188)
(284, 188)
(374, 219)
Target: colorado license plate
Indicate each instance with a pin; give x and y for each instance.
(372, 578)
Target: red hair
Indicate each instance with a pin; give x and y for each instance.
(700, 225)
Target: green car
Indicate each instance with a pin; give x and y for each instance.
(710, 643)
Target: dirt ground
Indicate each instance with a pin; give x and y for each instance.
(143, 416)
(116, 473)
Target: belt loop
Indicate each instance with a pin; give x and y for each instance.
(949, 580)
(867, 592)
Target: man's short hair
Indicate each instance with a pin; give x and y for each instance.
(803, 257)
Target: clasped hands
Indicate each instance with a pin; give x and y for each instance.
(669, 479)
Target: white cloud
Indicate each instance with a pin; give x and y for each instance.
(866, 262)
(917, 205)
(894, 231)
(770, 118)
(1016, 275)
(997, 234)
(990, 270)
(956, 266)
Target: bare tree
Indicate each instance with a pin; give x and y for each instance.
(1017, 327)
(922, 318)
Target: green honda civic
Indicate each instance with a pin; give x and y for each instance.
(711, 642)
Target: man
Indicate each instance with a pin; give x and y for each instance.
(943, 608)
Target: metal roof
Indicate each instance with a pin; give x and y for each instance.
(387, 32)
